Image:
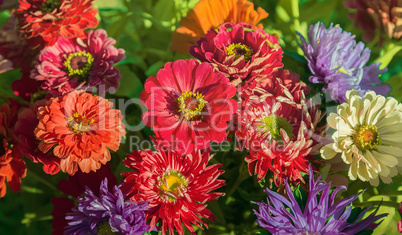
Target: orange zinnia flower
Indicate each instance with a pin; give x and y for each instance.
(210, 14)
(81, 128)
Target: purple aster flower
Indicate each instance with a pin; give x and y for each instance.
(107, 213)
(336, 60)
(318, 215)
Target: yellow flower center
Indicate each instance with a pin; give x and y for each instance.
(366, 137)
(238, 50)
(79, 124)
(171, 184)
(274, 124)
(49, 5)
(79, 64)
(191, 104)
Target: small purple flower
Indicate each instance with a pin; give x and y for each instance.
(320, 214)
(107, 213)
(336, 60)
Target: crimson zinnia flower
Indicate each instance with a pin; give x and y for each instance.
(176, 186)
(79, 63)
(239, 51)
(279, 127)
(81, 128)
(43, 21)
(189, 105)
(28, 144)
(12, 167)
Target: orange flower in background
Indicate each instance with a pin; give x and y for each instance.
(210, 14)
(80, 128)
(12, 167)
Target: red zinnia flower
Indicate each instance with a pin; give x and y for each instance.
(189, 105)
(279, 125)
(177, 187)
(28, 144)
(75, 187)
(239, 51)
(81, 128)
(79, 63)
(43, 21)
(12, 167)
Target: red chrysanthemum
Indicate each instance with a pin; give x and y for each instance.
(279, 126)
(12, 167)
(176, 186)
(75, 187)
(239, 51)
(189, 105)
(79, 63)
(81, 128)
(43, 21)
(28, 144)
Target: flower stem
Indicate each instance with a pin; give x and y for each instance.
(388, 53)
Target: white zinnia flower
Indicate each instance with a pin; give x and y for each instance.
(368, 136)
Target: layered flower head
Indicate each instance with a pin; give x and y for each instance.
(189, 105)
(80, 129)
(176, 186)
(336, 60)
(44, 21)
(75, 187)
(107, 213)
(208, 15)
(279, 127)
(377, 15)
(79, 63)
(12, 167)
(319, 214)
(368, 134)
(239, 51)
(24, 129)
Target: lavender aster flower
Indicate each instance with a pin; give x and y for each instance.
(107, 214)
(336, 60)
(318, 215)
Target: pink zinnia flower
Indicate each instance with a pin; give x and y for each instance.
(79, 63)
(43, 21)
(189, 105)
(80, 129)
(279, 126)
(177, 187)
(239, 51)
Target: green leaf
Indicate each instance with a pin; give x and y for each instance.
(130, 85)
(300, 196)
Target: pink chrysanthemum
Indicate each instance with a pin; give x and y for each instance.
(28, 144)
(80, 129)
(177, 187)
(239, 51)
(79, 63)
(279, 127)
(189, 105)
(43, 21)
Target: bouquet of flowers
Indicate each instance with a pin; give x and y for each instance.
(200, 117)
